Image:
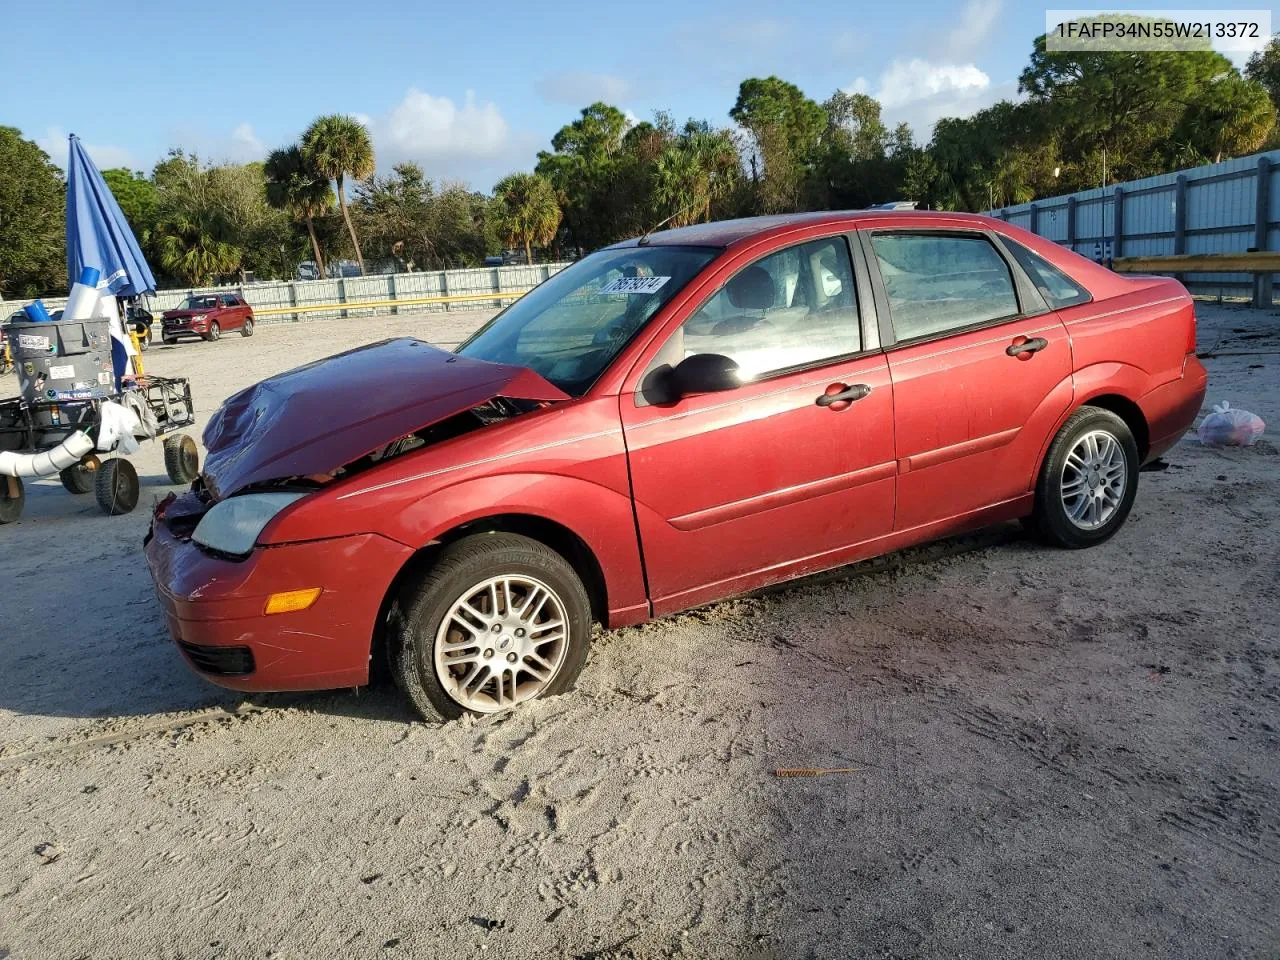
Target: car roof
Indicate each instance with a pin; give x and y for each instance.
(724, 233)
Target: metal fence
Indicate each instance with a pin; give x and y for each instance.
(1228, 207)
(374, 295)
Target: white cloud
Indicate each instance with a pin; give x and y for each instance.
(422, 125)
(469, 141)
(579, 89)
(631, 118)
(920, 92)
(104, 156)
(908, 81)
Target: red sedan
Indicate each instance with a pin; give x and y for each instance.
(669, 421)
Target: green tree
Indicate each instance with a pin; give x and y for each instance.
(196, 245)
(423, 225)
(33, 260)
(785, 127)
(1127, 103)
(336, 146)
(526, 210)
(1228, 116)
(138, 198)
(1264, 68)
(292, 186)
(591, 173)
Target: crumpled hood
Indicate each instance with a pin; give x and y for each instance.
(325, 415)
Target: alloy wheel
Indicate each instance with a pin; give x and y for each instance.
(1094, 477)
(501, 643)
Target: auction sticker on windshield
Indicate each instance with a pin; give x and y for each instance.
(634, 285)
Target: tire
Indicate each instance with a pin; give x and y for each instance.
(246, 328)
(421, 621)
(77, 479)
(214, 333)
(144, 339)
(11, 505)
(181, 458)
(1107, 481)
(115, 486)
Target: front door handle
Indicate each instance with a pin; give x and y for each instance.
(838, 396)
(1023, 348)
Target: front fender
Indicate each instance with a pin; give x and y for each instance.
(600, 516)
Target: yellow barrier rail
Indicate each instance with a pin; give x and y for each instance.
(1260, 261)
(375, 304)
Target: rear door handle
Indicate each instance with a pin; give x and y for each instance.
(839, 395)
(1023, 348)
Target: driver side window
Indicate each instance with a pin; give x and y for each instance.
(793, 308)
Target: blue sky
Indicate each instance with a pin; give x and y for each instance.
(473, 90)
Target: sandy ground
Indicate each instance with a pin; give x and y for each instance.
(1059, 754)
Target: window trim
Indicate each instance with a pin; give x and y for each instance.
(862, 285)
(1088, 294)
(1030, 302)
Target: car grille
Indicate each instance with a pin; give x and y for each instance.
(219, 661)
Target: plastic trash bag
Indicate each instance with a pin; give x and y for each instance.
(116, 428)
(1228, 427)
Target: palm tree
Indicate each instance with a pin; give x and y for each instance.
(716, 155)
(335, 146)
(294, 187)
(194, 244)
(527, 211)
(680, 186)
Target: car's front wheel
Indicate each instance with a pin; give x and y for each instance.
(498, 620)
(1088, 480)
(215, 331)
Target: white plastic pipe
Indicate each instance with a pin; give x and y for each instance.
(48, 462)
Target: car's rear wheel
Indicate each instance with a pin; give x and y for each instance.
(498, 620)
(246, 328)
(1088, 481)
(214, 333)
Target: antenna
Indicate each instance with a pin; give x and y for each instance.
(663, 223)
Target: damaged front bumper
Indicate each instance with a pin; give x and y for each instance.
(214, 608)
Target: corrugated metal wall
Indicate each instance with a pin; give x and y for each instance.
(396, 286)
(1219, 215)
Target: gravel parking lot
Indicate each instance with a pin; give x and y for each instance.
(1057, 754)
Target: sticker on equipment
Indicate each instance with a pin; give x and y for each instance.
(634, 285)
(62, 373)
(27, 342)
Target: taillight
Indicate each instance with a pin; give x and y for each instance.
(1191, 328)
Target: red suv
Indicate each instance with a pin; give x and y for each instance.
(667, 422)
(208, 316)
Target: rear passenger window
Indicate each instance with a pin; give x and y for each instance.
(1056, 287)
(942, 282)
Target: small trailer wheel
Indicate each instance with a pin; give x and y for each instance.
(181, 458)
(115, 486)
(77, 479)
(12, 499)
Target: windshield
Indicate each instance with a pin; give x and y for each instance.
(198, 303)
(571, 327)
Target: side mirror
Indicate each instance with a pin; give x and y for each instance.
(704, 373)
